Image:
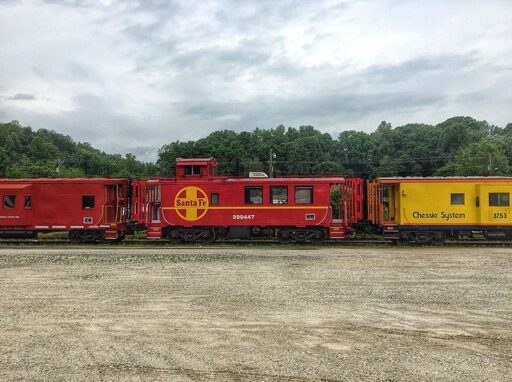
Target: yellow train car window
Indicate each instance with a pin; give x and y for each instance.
(457, 199)
(499, 199)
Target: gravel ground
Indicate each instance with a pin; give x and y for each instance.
(257, 314)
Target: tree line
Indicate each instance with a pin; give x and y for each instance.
(45, 153)
(458, 146)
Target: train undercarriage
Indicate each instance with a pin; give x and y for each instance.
(96, 236)
(211, 234)
(440, 236)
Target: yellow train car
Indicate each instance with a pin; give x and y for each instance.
(425, 210)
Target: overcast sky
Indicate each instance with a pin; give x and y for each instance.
(130, 76)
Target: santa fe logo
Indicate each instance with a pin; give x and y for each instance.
(191, 203)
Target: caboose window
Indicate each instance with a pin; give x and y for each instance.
(28, 201)
(304, 195)
(215, 198)
(9, 201)
(155, 216)
(279, 195)
(192, 170)
(253, 195)
(499, 199)
(457, 199)
(155, 194)
(87, 202)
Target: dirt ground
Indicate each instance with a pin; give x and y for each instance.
(256, 314)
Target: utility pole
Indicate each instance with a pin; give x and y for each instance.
(272, 156)
(58, 162)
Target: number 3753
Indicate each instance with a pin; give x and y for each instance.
(499, 215)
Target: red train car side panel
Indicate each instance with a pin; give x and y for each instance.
(44, 205)
(197, 198)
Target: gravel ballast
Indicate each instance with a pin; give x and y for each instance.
(256, 314)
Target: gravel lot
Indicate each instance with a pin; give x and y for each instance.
(256, 314)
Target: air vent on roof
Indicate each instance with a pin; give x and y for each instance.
(257, 174)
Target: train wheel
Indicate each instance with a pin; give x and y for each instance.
(284, 236)
(120, 237)
(439, 238)
(175, 237)
(425, 237)
(85, 236)
(91, 236)
(74, 237)
(352, 234)
(207, 235)
(192, 235)
(317, 236)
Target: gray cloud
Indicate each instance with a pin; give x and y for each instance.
(132, 76)
(421, 66)
(270, 112)
(22, 97)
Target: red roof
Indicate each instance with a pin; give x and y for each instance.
(63, 180)
(195, 161)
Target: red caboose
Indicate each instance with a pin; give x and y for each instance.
(198, 205)
(89, 209)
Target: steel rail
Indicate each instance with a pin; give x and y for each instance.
(234, 243)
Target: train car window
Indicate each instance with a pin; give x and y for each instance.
(155, 215)
(192, 170)
(28, 201)
(303, 195)
(155, 194)
(214, 198)
(9, 201)
(87, 202)
(253, 195)
(279, 195)
(499, 199)
(457, 199)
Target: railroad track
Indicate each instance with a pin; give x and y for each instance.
(234, 243)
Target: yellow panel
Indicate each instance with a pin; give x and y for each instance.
(429, 203)
(494, 215)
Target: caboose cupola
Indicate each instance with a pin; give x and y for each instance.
(196, 167)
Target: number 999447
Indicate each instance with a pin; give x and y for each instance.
(243, 217)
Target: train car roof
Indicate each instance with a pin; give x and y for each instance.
(468, 179)
(63, 180)
(227, 179)
(334, 179)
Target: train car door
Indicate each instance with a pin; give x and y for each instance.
(115, 203)
(388, 197)
(155, 200)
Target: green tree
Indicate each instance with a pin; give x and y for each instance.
(328, 168)
(27, 153)
(31, 170)
(356, 150)
(387, 167)
(484, 158)
(42, 150)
